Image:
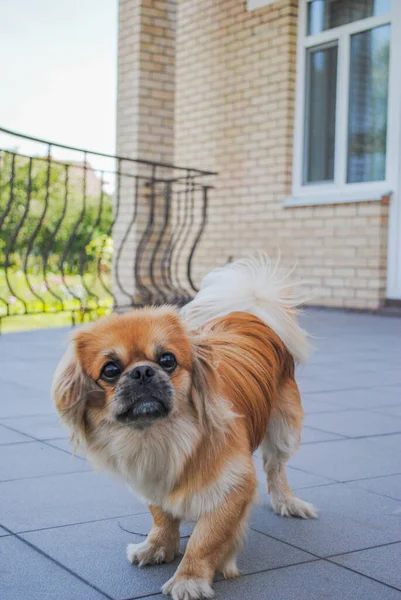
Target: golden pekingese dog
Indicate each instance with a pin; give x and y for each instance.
(175, 403)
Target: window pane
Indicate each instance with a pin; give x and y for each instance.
(320, 114)
(326, 14)
(368, 96)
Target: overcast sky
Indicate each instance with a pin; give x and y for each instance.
(58, 70)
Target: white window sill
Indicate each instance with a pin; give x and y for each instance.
(337, 198)
(254, 4)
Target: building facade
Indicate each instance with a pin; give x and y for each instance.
(296, 105)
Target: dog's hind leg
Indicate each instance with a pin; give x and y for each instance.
(279, 444)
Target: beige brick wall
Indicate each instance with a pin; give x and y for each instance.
(218, 92)
(146, 71)
(234, 113)
(145, 130)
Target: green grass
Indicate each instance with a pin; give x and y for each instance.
(28, 322)
(50, 301)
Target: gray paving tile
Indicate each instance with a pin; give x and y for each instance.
(385, 486)
(381, 563)
(18, 400)
(374, 378)
(390, 410)
(96, 551)
(3, 532)
(27, 574)
(389, 378)
(113, 574)
(18, 461)
(316, 580)
(355, 366)
(394, 390)
(296, 478)
(41, 427)
(392, 441)
(30, 504)
(33, 346)
(311, 435)
(359, 398)
(349, 519)
(313, 404)
(309, 386)
(348, 460)
(301, 479)
(354, 423)
(8, 436)
(37, 374)
(66, 445)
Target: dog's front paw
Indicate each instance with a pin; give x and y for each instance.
(148, 553)
(291, 506)
(230, 569)
(180, 588)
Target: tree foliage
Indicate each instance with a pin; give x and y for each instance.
(48, 222)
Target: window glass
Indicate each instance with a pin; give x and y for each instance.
(368, 99)
(321, 78)
(327, 14)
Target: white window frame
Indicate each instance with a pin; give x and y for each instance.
(255, 4)
(339, 191)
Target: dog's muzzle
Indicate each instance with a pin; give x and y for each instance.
(143, 396)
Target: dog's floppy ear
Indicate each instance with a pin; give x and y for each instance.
(73, 390)
(212, 411)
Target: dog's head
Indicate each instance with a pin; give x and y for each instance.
(136, 370)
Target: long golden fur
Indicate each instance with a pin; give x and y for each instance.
(232, 390)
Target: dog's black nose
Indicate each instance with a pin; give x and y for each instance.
(142, 373)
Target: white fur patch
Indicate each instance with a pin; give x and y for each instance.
(146, 553)
(192, 507)
(256, 286)
(291, 506)
(281, 440)
(230, 569)
(149, 461)
(187, 589)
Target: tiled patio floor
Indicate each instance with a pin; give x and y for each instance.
(65, 528)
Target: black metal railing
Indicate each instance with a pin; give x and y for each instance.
(83, 233)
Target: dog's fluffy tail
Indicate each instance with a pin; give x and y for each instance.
(259, 287)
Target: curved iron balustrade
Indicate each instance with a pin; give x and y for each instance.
(83, 233)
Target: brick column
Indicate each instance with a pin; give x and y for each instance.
(145, 121)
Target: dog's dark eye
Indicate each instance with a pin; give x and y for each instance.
(111, 371)
(168, 362)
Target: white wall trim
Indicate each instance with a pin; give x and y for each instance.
(254, 4)
(394, 226)
(346, 198)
